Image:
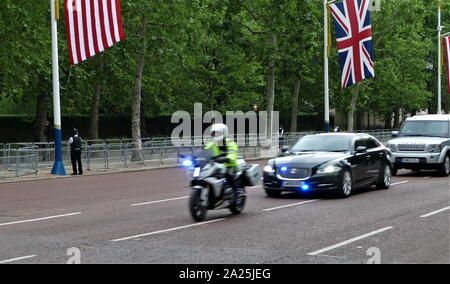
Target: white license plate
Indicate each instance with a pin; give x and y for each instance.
(410, 161)
(196, 172)
(291, 183)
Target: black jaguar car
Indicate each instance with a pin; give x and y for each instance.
(338, 162)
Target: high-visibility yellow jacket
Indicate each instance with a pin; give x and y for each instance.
(232, 151)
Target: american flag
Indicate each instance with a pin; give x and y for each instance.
(92, 26)
(354, 40)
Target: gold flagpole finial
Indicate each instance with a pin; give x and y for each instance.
(57, 10)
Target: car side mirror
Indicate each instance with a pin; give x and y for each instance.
(361, 149)
(285, 149)
(394, 133)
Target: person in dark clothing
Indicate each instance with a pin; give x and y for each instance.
(75, 143)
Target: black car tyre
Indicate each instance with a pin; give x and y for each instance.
(198, 211)
(444, 168)
(273, 193)
(346, 185)
(385, 178)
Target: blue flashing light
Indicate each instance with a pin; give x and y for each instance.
(283, 169)
(305, 187)
(187, 163)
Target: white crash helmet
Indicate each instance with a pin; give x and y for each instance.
(219, 132)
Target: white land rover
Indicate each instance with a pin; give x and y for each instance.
(423, 142)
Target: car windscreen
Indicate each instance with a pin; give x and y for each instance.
(322, 144)
(425, 128)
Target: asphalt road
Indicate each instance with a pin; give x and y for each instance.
(142, 217)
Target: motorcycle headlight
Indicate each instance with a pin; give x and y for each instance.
(434, 148)
(329, 170)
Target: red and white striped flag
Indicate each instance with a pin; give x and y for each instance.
(92, 26)
(447, 53)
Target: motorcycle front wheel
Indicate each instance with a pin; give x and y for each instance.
(198, 211)
(238, 204)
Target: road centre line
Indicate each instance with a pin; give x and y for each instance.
(167, 230)
(349, 241)
(398, 183)
(16, 259)
(40, 219)
(435, 212)
(290, 205)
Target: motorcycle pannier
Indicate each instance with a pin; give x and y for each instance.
(252, 175)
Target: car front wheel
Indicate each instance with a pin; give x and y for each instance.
(346, 185)
(444, 169)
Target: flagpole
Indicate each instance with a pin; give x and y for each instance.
(439, 109)
(326, 81)
(58, 166)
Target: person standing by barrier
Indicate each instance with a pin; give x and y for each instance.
(337, 129)
(75, 143)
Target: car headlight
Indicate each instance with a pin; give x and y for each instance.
(329, 170)
(393, 147)
(434, 148)
(269, 169)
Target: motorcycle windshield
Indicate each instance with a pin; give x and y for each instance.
(202, 157)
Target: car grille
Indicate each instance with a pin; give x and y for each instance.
(295, 173)
(412, 147)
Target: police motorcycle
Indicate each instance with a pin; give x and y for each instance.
(210, 188)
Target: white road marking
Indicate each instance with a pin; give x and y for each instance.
(290, 205)
(401, 182)
(254, 187)
(159, 201)
(349, 241)
(167, 230)
(40, 219)
(435, 212)
(16, 259)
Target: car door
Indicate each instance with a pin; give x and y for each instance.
(375, 163)
(359, 162)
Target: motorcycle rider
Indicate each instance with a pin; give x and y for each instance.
(221, 145)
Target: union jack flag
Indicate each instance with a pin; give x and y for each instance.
(354, 40)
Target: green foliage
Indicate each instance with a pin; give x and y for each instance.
(216, 52)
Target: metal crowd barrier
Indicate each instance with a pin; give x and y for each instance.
(18, 162)
(18, 159)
